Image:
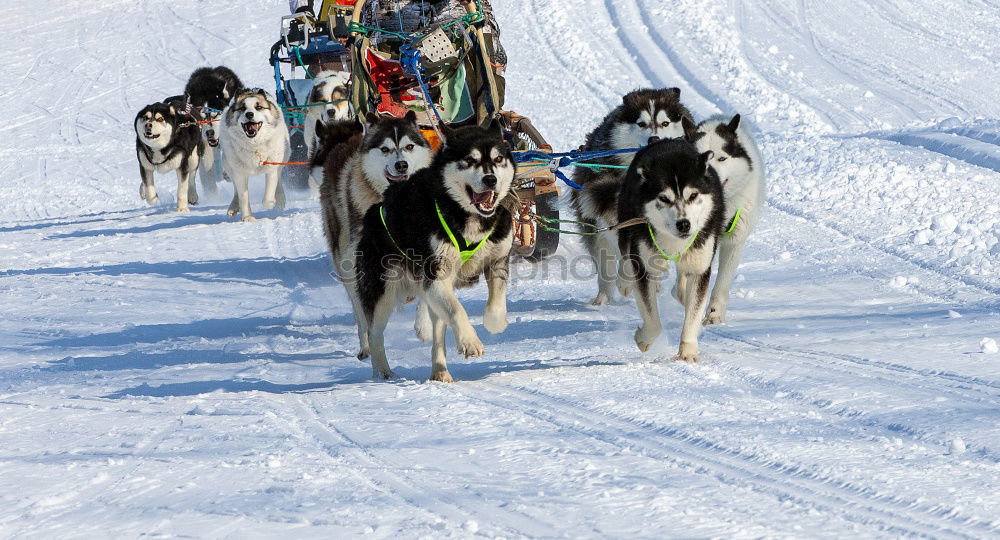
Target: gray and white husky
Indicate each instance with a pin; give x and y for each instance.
(362, 160)
(674, 189)
(644, 116)
(740, 167)
(440, 230)
(168, 139)
(331, 88)
(253, 132)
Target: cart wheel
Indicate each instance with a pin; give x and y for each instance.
(296, 176)
(546, 242)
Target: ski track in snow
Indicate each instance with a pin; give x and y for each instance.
(183, 375)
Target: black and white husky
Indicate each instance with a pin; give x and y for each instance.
(440, 230)
(674, 189)
(168, 139)
(644, 116)
(253, 132)
(330, 88)
(740, 167)
(357, 169)
(209, 91)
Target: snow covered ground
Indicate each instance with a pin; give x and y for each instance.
(184, 375)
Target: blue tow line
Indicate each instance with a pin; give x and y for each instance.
(558, 160)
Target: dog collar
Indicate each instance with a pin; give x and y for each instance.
(732, 224)
(381, 214)
(663, 254)
(467, 253)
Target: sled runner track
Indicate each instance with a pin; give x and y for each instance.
(956, 383)
(958, 392)
(789, 210)
(646, 65)
(957, 144)
(395, 480)
(736, 467)
(686, 74)
(98, 497)
(816, 48)
(819, 107)
(546, 44)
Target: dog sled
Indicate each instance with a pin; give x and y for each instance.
(439, 58)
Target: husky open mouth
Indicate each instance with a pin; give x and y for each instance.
(213, 142)
(151, 136)
(392, 178)
(251, 128)
(486, 201)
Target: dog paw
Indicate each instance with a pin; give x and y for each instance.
(183, 209)
(232, 212)
(644, 339)
(442, 376)
(469, 344)
(363, 353)
(688, 352)
(382, 374)
(495, 320)
(249, 219)
(269, 203)
(601, 299)
(714, 316)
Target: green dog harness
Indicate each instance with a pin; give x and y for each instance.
(663, 254)
(466, 254)
(732, 225)
(381, 214)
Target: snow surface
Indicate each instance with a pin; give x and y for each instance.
(184, 375)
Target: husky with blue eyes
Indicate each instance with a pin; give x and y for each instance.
(740, 167)
(643, 116)
(672, 187)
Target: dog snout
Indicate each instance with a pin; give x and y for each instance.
(652, 139)
(683, 226)
(490, 181)
(331, 114)
(249, 115)
(210, 133)
(402, 166)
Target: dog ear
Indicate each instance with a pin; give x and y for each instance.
(446, 132)
(734, 123)
(495, 127)
(690, 129)
(225, 90)
(632, 98)
(368, 121)
(173, 111)
(674, 93)
(411, 116)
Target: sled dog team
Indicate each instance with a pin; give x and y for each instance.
(404, 222)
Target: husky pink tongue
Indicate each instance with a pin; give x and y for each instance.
(484, 200)
(251, 128)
